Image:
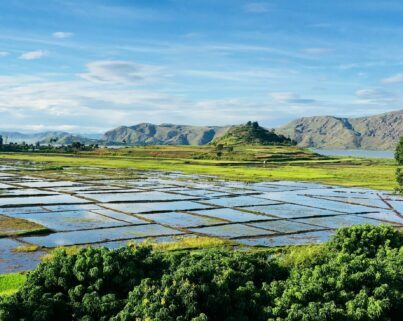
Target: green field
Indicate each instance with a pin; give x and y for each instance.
(246, 163)
(10, 283)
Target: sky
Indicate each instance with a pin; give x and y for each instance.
(87, 66)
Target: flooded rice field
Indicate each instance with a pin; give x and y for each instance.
(101, 210)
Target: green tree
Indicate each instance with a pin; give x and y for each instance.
(399, 170)
(91, 285)
(213, 286)
(360, 279)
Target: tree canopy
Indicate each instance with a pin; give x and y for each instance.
(356, 276)
(399, 171)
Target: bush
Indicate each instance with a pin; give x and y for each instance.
(90, 285)
(356, 276)
(365, 239)
(360, 278)
(399, 170)
(347, 287)
(214, 286)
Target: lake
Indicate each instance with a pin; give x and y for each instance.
(356, 153)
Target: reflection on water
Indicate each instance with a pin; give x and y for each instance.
(355, 153)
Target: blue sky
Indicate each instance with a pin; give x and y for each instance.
(91, 65)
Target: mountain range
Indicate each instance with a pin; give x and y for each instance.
(379, 132)
(164, 134)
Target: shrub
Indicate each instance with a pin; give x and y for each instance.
(214, 286)
(356, 276)
(399, 171)
(365, 239)
(90, 285)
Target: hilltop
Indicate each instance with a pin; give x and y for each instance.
(57, 137)
(379, 132)
(164, 134)
(251, 134)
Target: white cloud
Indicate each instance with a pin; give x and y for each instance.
(32, 55)
(393, 79)
(4, 54)
(377, 96)
(62, 34)
(290, 97)
(121, 72)
(256, 7)
(316, 51)
(371, 93)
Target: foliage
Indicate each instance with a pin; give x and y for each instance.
(399, 170)
(74, 147)
(10, 283)
(399, 152)
(90, 285)
(197, 242)
(356, 276)
(251, 134)
(215, 285)
(365, 239)
(360, 279)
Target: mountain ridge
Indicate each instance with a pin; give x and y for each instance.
(378, 132)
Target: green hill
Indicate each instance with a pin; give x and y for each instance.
(251, 134)
(378, 132)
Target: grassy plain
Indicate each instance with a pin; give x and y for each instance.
(10, 283)
(10, 226)
(246, 163)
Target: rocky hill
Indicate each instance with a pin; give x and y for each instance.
(57, 137)
(379, 132)
(251, 134)
(164, 134)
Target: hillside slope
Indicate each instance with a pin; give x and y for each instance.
(58, 137)
(164, 134)
(251, 134)
(379, 132)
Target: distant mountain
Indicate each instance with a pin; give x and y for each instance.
(251, 134)
(379, 132)
(58, 137)
(164, 134)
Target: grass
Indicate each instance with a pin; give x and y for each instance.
(297, 164)
(10, 283)
(26, 248)
(10, 226)
(187, 243)
(301, 256)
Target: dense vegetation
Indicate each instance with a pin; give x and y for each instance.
(252, 134)
(46, 148)
(399, 170)
(355, 276)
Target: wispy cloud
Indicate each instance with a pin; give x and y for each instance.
(62, 34)
(377, 96)
(4, 54)
(121, 72)
(317, 51)
(291, 98)
(256, 7)
(393, 79)
(32, 55)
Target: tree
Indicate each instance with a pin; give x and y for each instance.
(1, 141)
(356, 276)
(399, 170)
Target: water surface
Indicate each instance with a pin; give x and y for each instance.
(356, 153)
